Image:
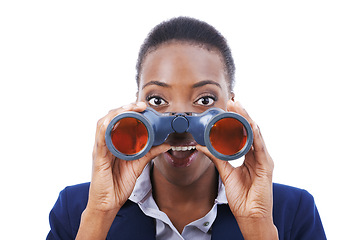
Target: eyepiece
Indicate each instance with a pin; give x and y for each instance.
(228, 136)
(129, 136)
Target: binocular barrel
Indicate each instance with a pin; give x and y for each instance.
(131, 135)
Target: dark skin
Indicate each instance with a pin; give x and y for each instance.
(185, 204)
(184, 78)
(180, 77)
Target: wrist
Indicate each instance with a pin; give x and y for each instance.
(95, 224)
(257, 228)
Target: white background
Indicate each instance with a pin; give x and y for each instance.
(64, 64)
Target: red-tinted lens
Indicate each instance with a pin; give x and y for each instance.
(228, 136)
(129, 136)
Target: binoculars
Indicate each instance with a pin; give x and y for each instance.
(131, 135)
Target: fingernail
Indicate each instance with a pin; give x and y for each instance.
(140, 104)
(230, 105)
(230, 102)
(127, 107)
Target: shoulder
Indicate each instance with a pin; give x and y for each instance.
(290, 199)
(75, 197)
(284, 194)
(65, 216)
(295, 213)
(77, 191)
(287, 199)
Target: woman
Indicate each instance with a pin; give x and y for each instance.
(184, 65)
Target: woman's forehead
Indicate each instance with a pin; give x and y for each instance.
(182, 61)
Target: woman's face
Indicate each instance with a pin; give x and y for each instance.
(179, 77)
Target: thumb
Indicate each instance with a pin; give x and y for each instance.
(224, 167)
(153, 152)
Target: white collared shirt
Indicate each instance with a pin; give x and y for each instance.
(199, 229)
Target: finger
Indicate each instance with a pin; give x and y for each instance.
(258, 144)
(259, 149)
(104, 122)
(100, 148)
(257, 160)
(154, 151)
(238, 108)
(224, 167)
(136, 106)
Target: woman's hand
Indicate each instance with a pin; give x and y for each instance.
(249, 186)
(113, 180)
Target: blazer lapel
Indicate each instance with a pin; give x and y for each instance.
(132, 223)
(225, 225)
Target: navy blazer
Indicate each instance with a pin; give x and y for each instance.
(294, 212)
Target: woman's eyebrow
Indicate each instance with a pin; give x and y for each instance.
(157, 83)
(205, 82)
(196, 85)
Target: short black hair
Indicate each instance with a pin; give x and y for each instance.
(189, 30)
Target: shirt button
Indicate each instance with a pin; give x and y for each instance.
(206, 224)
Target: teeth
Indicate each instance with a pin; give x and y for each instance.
(182, 148)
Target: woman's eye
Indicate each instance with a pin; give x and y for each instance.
(156, 101)
(205, 101)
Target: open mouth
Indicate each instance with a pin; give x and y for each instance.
(181, 156)
(183, 151)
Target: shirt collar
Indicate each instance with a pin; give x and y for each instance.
(143, 188)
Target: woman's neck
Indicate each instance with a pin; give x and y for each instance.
(185, 203)
(202, 189)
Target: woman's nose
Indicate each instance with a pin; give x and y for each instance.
(180, 107)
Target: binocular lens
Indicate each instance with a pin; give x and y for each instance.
(228, 136)
(129, 136)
